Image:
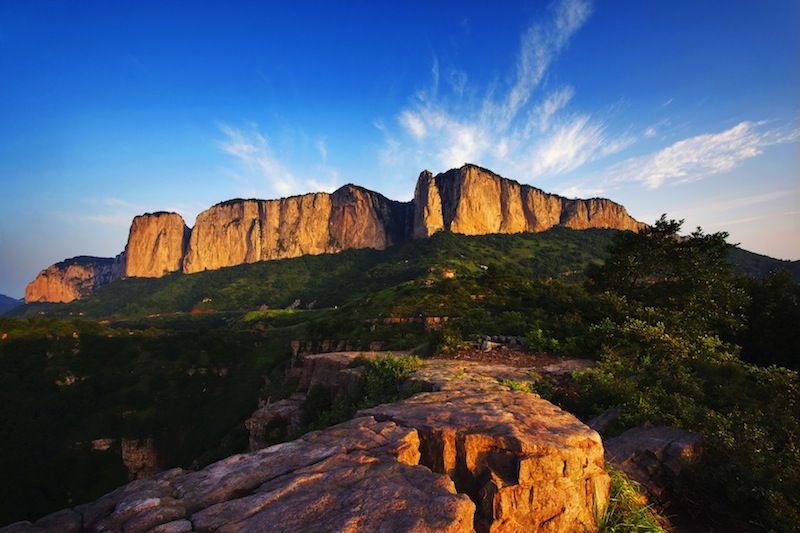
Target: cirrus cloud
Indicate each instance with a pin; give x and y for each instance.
(700, 156)
(522, 130)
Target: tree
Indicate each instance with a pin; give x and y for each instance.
(688, 281)
(772, 335)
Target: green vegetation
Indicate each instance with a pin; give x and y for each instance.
(667, 356)
(680, 339)
(64, 384)
(517, 385)
(627, 510)
(382, 382)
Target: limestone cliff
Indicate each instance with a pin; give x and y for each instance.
(474, 201)
(156, 245)
(469, 200)
(73, 278)
(245, 231)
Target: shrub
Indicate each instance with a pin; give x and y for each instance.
(382, 382)
(538, 341)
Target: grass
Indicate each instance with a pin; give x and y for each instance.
(628, 510)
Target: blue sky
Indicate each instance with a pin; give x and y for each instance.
(109, 109)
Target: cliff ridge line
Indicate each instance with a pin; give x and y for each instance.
(469, 200)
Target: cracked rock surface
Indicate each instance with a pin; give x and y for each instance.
(469, 455)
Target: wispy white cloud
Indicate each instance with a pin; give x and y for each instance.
(697, 157)
(541, 44)
(517, 128)
(322, 148)
(571, 144)
(713, 205)
(576, 191)
(264, 172)
(253, 151)
(118, 219)
(552, 104)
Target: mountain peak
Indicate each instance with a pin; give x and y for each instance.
(470, 200)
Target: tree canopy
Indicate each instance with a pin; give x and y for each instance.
(688, 279)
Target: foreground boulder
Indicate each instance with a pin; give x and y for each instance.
(362, 475)
(468, 455)
(654, 456)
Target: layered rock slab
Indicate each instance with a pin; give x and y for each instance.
(527, 464)
(358, 476)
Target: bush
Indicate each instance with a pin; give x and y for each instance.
(382, 382)
(753, 458)
(538, 341)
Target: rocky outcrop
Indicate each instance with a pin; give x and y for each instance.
(73, 279)
(475, 201)
(526, 464)
(246, 231)
(362, 475)
(469, 200)
(468, 455)
(427, 207)
(156, 245)
(140, 457)
(654, 456)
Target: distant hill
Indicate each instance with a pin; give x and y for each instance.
(760, 266)
(331, 280)
(8, 303)
(334, 280)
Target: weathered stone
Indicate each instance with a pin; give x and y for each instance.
(156, 246)
(428, 216)
(241, 474)
(73, 278)
(469, 200)
(324, 369)
(178, 526)
(475, 201)
(140, 457)
(473, 455)
(141, 490)
(66, 521)
(371, 483)
(275, 422)
(654, 455)
(529, 465)
(245, 231)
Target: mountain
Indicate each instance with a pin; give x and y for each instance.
(469, 200)
(73, 278)
(8, 303)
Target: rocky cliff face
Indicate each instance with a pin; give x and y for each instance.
(156, 245)
(73, 278)
(245, 231)
(474, 201)
(469, 200)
